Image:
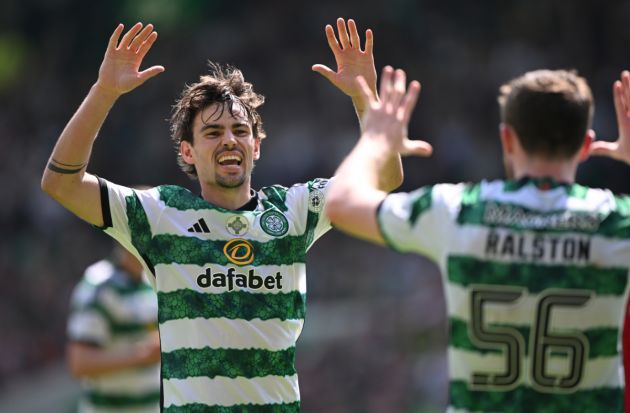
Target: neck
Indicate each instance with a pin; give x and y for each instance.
(560, 171)
(228, 198)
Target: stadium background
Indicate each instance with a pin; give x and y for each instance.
(375, 333)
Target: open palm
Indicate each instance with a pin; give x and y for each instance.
(120, 71)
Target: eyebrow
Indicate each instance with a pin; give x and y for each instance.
(218, 126)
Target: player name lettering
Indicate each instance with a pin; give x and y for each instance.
(537, 247)
(231, 279)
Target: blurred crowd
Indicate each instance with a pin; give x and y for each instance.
(375, 330)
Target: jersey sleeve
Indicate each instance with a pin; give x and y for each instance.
(421, 221)
(87, 322)
(127, 216)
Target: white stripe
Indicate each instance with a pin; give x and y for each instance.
(222, 391)
(550, 200)
(173, 277)
(129, 382)
(271, 334)
(599, 311)
(599, 372)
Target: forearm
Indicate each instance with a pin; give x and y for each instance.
(355, 194)
(87, 361)
(392, 175)
(70, 156)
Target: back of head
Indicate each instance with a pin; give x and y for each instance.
(550, 111)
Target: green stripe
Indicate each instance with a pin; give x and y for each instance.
(139, 226)
(471, 194)
(239, 408)
(276, 197)
(421, 202)
(232, 363)
(118, 327)
(168, 249)
(602, 341)
(536, 278)
(182, 199)
(615, 225)
(526, 400)
(233, 305)
(123, 400)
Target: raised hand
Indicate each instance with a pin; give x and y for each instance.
(620, 149)
(389, 117)
(120, 71)
(351, 60)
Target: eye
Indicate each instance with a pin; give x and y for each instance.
(241, 132)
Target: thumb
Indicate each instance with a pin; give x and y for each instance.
(604, 148)
(416, 148)
(150, 72)
(325, 71)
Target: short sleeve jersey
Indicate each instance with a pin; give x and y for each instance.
(111, 311)
(231, 288)
(536, 282)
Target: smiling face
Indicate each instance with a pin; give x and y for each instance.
(223, 149)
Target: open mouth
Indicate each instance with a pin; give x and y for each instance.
(230, 159)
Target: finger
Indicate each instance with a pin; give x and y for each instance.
(146, 45)
(416, 148)
(398, 88)
(625, 79)
(343, 33)
(140, 38)
(366, 92)
(620, 107)
(354, 34)
(369, 42)
(386, 84)
(604, 148)
(150, 72)
(332, 40)
(409, 101)
(124, 43)
(325, 71)
(113, 39)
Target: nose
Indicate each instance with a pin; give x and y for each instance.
(229, 140)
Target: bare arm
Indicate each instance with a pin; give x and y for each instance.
(85, 360)
(65, 177)
(620, 149)
(354, 196)
(353, 62)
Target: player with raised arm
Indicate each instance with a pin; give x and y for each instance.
(229, 265)
(535, 267)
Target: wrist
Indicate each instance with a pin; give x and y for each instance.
(105, 91)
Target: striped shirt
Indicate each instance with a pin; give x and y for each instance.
(231, 288)
(110, 310)
(536, 283)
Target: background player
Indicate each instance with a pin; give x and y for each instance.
(113, 343)
(535, 267)
(228, 265)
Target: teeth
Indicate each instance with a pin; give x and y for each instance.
(229, 158)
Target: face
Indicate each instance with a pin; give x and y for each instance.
(223, 149)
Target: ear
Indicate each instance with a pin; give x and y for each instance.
(256, 149)
(186, 150)
(585, 150)
(507, 138)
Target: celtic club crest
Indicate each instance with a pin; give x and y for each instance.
(274, 223)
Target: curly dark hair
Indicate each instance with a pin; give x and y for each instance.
(223, 85)
(550, 110)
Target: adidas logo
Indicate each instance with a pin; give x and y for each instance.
(200, 226)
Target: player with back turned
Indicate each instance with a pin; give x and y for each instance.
(535, 267)
(228, 265)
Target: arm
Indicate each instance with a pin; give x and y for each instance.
(620, 149)
(354, 196)
(85, 360)
(353, 62)
(65, 178)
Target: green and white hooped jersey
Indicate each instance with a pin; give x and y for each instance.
(231, 288)
(536, 282)
(111, 311)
